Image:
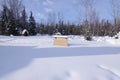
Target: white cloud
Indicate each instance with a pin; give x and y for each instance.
(45, 3)
(41, 16)
(48, 5)
(48, 10)
(35, 0)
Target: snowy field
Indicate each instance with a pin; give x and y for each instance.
(36, 58)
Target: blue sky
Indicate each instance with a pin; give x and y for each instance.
(68, 8)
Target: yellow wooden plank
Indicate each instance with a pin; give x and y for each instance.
(62, 41)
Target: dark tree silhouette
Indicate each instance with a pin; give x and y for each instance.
(32, 25)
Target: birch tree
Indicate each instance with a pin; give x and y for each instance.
(89, 10)
(115, 10)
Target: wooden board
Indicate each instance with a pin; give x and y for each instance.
(61, 41)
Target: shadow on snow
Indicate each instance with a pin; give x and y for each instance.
(15, 58)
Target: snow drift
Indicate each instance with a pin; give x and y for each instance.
(36, 58)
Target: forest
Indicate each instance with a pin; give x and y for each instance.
(14, 19)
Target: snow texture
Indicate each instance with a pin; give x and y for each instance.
(36, 58)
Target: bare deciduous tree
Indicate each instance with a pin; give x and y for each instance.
(115, 9)
(89, 11)
(15, 7)
(51, 18)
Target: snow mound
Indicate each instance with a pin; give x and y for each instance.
(101, 39)
(118, 35)
(107, 39)
(23, 32)
(72, 75)
(114, 41)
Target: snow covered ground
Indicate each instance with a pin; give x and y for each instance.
(36, 58)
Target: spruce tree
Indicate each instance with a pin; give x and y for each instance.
(0, 24)
(13, 24)
(3, 21)
(24, 19)
(87, 31)
(12, 28)
(32, 25)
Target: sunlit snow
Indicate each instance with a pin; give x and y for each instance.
(36, 58)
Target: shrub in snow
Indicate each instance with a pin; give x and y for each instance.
(11, 35)
(58, 33)
(117, 36)
(88, 36)
(25, 32)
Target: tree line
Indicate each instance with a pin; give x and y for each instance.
(13, 20)
(90, 25)
(102, 28)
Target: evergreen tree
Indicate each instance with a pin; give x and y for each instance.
(13, 24)
(24, 19)
(87, 31)
(32, 25)
(0, 23)
(12, 27)
(3, 21)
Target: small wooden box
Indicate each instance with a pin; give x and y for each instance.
(61, 40)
